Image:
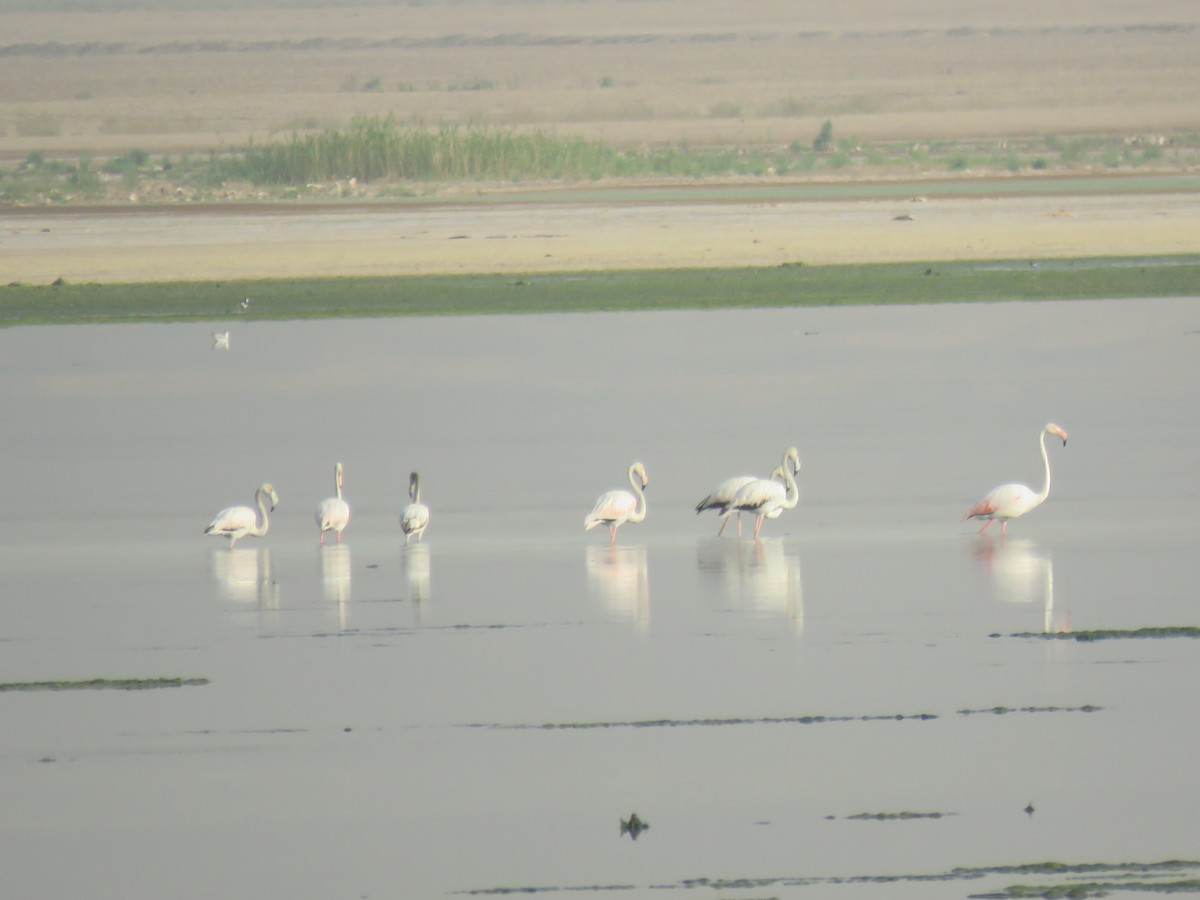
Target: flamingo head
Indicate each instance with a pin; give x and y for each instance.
(270, 492)
(640, 471)
(337, 470)
(793, 456)
(1057, 432)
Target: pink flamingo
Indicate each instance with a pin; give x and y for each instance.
(333, 514)
(1008, 501)
(414, 518)
(235, 522)
(767, 498)
(727, 490)
(615, 508)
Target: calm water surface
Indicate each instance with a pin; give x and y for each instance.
(480, 711)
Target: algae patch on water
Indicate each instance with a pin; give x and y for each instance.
(103, 684)
(1112, 634)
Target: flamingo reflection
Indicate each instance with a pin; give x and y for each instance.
(415, 561)
(761, 577)
(245, 575)
(335, 577)
(617, 575)
(1021, 572)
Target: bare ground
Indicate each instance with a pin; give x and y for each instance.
(624, 71)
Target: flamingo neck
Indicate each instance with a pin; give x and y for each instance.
(639, 511)
(260, 530)
(1046, 462)
(414, 490)
(792, 497)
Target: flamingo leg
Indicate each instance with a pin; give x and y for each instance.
(739, 517)
(339, 537)
(986, 526)
(322, 541)
(612, 535)
(1004, 529)
(724, 522)
(758, 527)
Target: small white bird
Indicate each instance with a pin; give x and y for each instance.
(766, 497)
(615, 508)
(727, 490)
(1008, 501)
(245, 304)
(414, 518)
(237, 521)
(220, 340)
(333, 513)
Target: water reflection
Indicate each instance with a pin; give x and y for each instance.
(761, 576)
(245, 575)
(415, 561)
(617, 575)
(335, 577)
(1021, 572)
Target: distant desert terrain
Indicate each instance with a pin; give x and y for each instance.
(627, 72)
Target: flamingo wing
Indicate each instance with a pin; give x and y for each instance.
(232, 520)
(760, 496)
(333, 514)
(613, 506)
(414, 518)
(1004, 502)
(724, 493)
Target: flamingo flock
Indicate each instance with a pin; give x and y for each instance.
(764, 498)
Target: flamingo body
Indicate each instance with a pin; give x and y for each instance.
(235, 522)
(1009, 501)
(767, 498)
(724, 493)
(615, 508)
(414, 518)
(333, 513)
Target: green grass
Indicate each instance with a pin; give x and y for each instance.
(448, 295)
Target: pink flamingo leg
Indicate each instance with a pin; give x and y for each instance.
(724, 522)
(612, 535)
(758, 527)
(986, 526)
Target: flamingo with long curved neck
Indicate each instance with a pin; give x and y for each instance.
(414, 518)
(236, 522)
(1008, 501)
(333, 513)
(766, 497)
(615, 508)
(727, 490)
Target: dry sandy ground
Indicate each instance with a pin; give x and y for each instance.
(183, 244)
(631, 72)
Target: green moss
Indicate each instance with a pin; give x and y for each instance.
(1110, 634)
(788, 285)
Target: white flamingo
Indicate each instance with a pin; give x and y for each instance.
(333, 513)
(727, 490)
(615, 508)
(1008, 501)
(766, 497)
(236, 522)
(414, 518)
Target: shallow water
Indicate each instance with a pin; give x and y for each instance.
(480, 711)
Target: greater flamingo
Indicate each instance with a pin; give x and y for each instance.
(414, 518)
(615, 508)
(1008, 501)
(333, 513)
(727, 490)
(239, 521)
(766, 497)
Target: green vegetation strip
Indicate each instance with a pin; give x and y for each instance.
(102, 684)
(1004, 710)
(1112, 634)
(789, 285)
(896, 816)
(1119, 877)
(707, 723)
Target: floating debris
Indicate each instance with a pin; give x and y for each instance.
(1029, 810)
(634, 826)
(101, 684)
(1004, 710)
(897, 816)
(708, 723)
(1109, 634)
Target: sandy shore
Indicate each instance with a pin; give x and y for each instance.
(130, 245)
